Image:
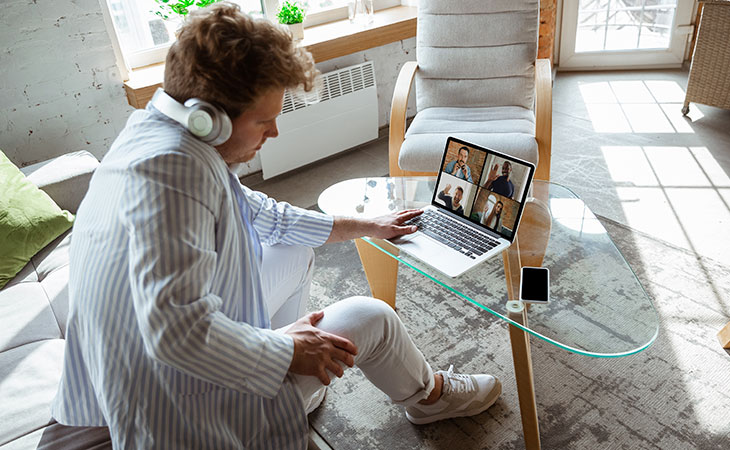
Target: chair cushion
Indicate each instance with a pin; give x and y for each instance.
(475, 53)
(508, 129)
(29, 375)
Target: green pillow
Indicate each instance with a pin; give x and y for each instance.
(29, 220)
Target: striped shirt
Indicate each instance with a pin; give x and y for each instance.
(168, 340)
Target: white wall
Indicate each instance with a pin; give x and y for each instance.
(388, 60)
(61, 91)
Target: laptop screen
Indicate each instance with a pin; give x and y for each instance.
(487, 187)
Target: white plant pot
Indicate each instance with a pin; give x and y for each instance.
(297, 30)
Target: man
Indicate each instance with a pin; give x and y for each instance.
(178, 271)
(458, 167)
(502, 184)
(453, 203)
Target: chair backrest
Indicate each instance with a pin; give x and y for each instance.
(476, 53)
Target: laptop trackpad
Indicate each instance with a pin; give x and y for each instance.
(439, 256)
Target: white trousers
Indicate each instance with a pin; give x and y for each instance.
(386, 354)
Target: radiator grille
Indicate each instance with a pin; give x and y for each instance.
(331, 85)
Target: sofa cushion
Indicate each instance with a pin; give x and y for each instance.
(508, 129)
(29, 375)
(32, 321)
(64, 178)
(29, 220)
(52, 271)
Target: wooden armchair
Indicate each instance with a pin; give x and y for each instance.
(477, 78)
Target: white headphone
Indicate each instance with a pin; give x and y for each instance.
(207, 122)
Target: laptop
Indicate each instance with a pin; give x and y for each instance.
(475, 209)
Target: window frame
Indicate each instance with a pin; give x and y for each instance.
(131, 61)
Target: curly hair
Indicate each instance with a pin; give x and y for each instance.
(227, 58)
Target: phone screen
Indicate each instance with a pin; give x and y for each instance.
(534, 284)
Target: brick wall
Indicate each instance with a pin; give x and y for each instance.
(61, 90)
(547, 29)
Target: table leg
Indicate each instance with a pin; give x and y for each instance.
(381, 270)
(520, 342)
(724, 336)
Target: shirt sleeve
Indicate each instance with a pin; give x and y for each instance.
(280, 222)
(170, 216)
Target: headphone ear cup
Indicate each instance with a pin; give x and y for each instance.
(226, 129)
(209, 123)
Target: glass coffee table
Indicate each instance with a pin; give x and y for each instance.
(598, 307)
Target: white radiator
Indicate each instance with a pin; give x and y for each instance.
(340, 113)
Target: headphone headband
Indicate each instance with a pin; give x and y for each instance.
(204, 120)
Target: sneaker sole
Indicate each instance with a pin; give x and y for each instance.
(494, 395)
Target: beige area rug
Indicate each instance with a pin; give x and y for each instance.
(674, 395)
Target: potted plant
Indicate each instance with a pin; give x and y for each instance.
(291, 14)
(174, 12)
(179, 8)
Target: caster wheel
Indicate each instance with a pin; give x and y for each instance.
(685, 110)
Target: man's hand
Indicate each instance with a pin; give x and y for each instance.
(447, 188)
(456, 168)
(492, 175)
(383, 227)
(391, 225)
(316, 351)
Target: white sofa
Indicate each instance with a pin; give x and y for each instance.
(33, 313)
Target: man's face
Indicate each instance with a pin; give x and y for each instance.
(463, 155)
(253, 127)
(498, 208)
(457, 196)
(506, 169)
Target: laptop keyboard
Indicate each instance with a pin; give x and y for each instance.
(456, 235)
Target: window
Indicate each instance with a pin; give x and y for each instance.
(145, 36)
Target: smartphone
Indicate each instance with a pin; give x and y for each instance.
(535, 285)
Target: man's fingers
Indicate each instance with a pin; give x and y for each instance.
(345, 357)
(409, 214)
(344, 344)
(413, 212)
(323, 377)
(315, 317)
(334, 367)
(407, 229)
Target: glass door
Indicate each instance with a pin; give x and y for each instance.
(624, 33)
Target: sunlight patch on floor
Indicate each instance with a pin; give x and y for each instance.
(678, 194)
(636, 106)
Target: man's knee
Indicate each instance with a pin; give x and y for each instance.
(371, 313)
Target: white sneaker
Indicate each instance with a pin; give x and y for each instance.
(462, 395)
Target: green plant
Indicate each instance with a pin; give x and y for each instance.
(290, 12)
(179, 7)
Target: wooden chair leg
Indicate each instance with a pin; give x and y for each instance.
(724, 336)
(381, 270)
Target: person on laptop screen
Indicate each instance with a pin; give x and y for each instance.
(453, 203)
(502, 184)
(458, 167)
(493, 219)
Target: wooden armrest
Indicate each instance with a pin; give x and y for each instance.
(398, 107)
(543, 116)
